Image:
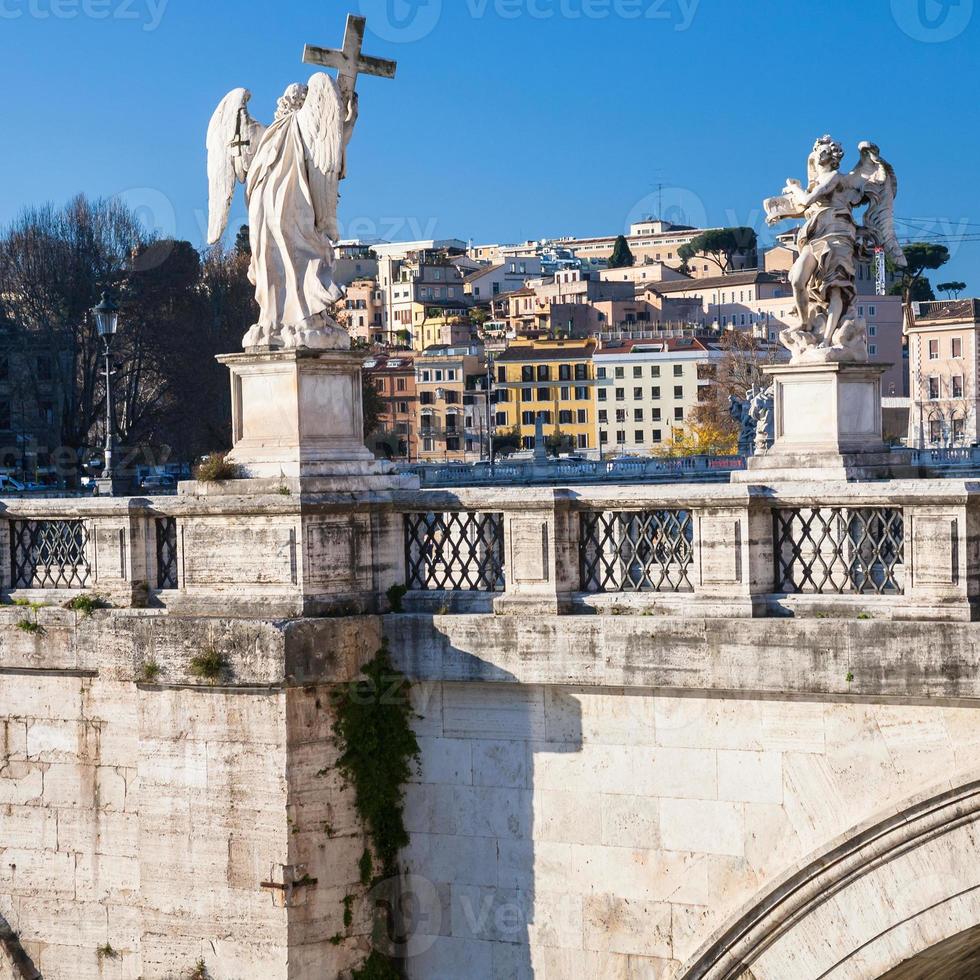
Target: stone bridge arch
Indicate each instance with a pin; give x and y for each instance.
(896, 898)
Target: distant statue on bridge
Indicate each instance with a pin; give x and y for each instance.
(831, 244)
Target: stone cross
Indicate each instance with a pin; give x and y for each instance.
(349, 61)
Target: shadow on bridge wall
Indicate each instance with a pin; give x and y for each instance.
(471, 896)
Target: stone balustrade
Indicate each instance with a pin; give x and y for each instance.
(891, 550)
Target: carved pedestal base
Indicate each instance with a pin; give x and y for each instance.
(297, 415)
(828, 427)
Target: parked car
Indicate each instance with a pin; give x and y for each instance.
(158, 483)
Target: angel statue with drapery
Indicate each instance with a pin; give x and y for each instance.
(291, 171)
(831, 244)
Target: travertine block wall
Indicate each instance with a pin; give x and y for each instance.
(579, 832)
(153, 818)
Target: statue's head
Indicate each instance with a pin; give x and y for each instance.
(292, 100)
(828, 152)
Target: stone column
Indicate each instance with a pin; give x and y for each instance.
(540, 555)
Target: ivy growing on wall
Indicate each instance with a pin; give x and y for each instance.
(378, 751)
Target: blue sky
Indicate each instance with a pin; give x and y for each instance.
(509, 119)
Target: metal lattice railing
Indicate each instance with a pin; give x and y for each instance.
(455, 551)
(840, 550)
(49, 554)
(636, 551)
(167, 553)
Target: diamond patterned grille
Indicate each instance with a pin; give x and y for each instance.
(636, 551)
(167, 552)
(455, 551)
(838, 550)
(49, 554)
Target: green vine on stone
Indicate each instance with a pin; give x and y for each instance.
(378, 754)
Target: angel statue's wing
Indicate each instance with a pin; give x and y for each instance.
(321, 121)
(880, 191)
(233, 136)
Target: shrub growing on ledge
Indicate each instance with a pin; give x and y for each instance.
(209, 665)
(87, 604)
(216, 468)
(106, 952)
(396, 595)
(150, 671)
(30, 626)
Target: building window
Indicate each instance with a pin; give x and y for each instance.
(600, 373)
(603, 438)
(872, 349)
(500, 418)
(678, 370)
(620, 394)
(620, 373)
(678, 414)
(544, 394)
(678, 391)
(956, 345)
(933, 350)
(638, 372)
(655, 414)
(957, 386)
(655, 371)
(544, 372)
(935, 430)
(933, 388)
(637, 394)
(564, 418)
(564, 372)
(427, 445)
(581, 394)
(655, 392)
(620, 437)
(527, 372)
(564, 394)
(601, 394)
(527, 418)
(872, 311)
(638, 437)
(583, 441)
(620, 414)
(582, 416)
(656, 437)
(958, 430)
(527, 442)
(581, 372)
(452, 444)
(637, 414)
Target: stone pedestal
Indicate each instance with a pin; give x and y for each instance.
(828, 427)
(298, 415)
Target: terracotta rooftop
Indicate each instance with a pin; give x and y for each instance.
(526, 352)
(952, 309)
(748, 278)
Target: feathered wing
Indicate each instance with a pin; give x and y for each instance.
(233, 136)
(321, 122)
(880, 191)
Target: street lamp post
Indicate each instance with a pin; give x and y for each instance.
(106, 322)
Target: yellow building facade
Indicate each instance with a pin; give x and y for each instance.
(550, 379)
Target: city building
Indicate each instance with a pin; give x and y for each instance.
(451, 381)
(645, 390)
(943, 352)
(548, 379)
(363, 312)
(418, 278)
(354, 260)
(441, 323)
(393, 375)
(503, 277)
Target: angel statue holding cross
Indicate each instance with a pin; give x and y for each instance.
(291, 171)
